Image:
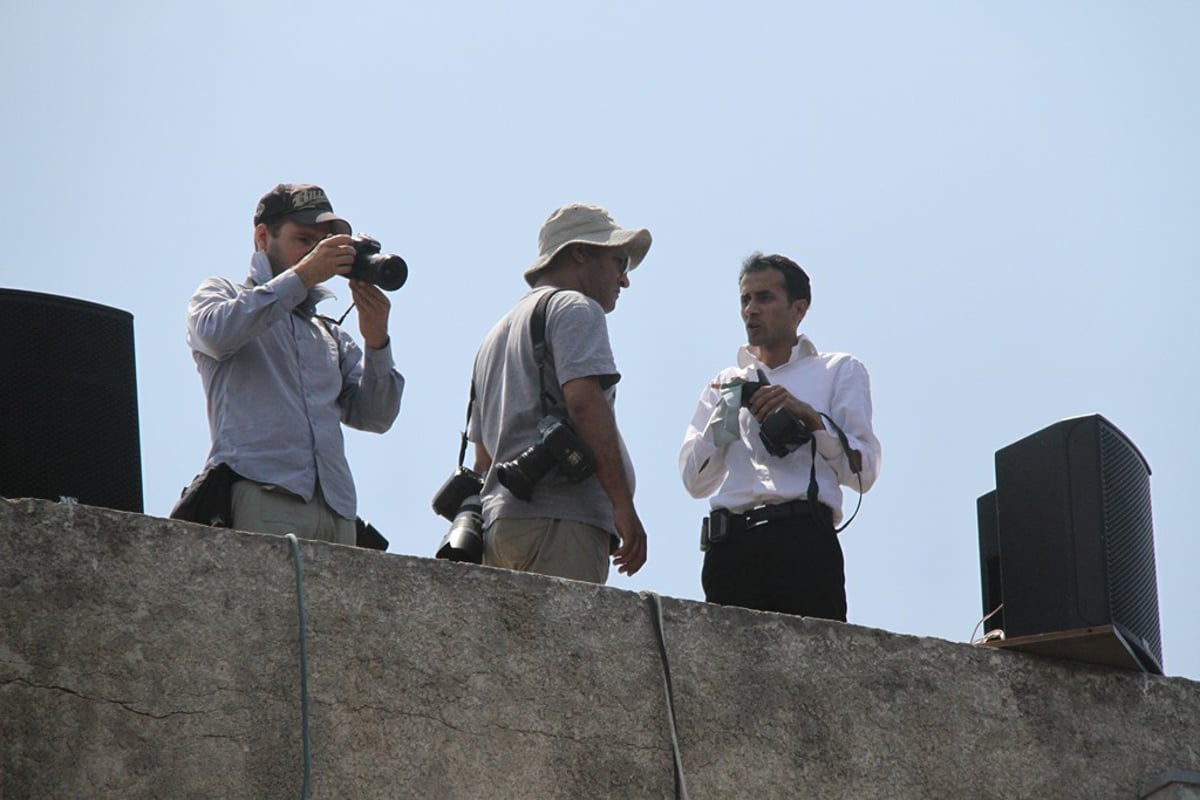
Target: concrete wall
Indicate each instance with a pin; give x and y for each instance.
(142, 657)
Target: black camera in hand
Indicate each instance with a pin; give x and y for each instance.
(384, 270)
(558, 446)
(782, 432)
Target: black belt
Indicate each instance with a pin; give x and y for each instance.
(723, 523)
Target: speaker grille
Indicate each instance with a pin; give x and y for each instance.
(1129, 542)
(69, 424)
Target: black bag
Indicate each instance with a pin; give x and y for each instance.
(209, 498)
(366, 535)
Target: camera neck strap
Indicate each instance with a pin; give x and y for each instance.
(537, 331)
(462, 447)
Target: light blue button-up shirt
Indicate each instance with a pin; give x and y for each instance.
(280, 384)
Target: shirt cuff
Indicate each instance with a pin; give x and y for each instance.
(379, 358)
(289, 288)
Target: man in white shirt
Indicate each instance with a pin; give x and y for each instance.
(772, 441)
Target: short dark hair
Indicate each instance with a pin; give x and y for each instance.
(794, 278)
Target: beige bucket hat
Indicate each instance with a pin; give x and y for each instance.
(587, 224)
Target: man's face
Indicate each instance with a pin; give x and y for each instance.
(292, 243)
(771, 320)
(606, 272)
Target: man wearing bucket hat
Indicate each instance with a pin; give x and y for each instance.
(280, 380)
(554, 522)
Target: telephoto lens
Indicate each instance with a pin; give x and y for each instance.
(464, 540)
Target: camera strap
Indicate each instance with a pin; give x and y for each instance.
(537, 330)
(853, 458)
(462, 446)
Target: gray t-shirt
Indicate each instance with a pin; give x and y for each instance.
(507, 407)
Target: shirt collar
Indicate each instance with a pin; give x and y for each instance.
(804, 348)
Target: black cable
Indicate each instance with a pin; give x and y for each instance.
(657, 616)
(856, 468)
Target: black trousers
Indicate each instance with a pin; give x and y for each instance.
(792, 565)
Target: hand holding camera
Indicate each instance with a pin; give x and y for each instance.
(333, 254)
(781, 430)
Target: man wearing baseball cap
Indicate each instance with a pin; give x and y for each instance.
(280, 380)
(560, 527)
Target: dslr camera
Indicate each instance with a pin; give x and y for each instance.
(387, 271)
(782, 432)
(458, 501)
(558, 446)
(457, 488)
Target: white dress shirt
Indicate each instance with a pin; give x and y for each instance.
(742, 474)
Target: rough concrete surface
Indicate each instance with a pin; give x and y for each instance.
(147, 658)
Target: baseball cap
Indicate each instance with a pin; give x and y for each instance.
(301, 202)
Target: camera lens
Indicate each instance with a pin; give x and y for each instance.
(464, 540)
(388, 272)
(520, 474)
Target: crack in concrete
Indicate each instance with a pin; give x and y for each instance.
(123, 704)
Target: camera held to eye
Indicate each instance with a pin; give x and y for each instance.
(782, 432)
(557, 445)
(384, 270)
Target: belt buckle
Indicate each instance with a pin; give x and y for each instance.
(749, 523)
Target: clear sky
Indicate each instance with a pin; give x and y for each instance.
(997, 203)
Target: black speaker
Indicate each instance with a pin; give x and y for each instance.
(69, 418)
(989, 563)
(1075, 538)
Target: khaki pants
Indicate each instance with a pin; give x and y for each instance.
(268, 509)
(559, 547)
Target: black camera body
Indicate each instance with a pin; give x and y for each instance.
(384, 270)
(457, 488)
(558, 446)
(782, 432)
(464, 540)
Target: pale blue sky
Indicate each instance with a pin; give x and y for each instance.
(997, 203)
